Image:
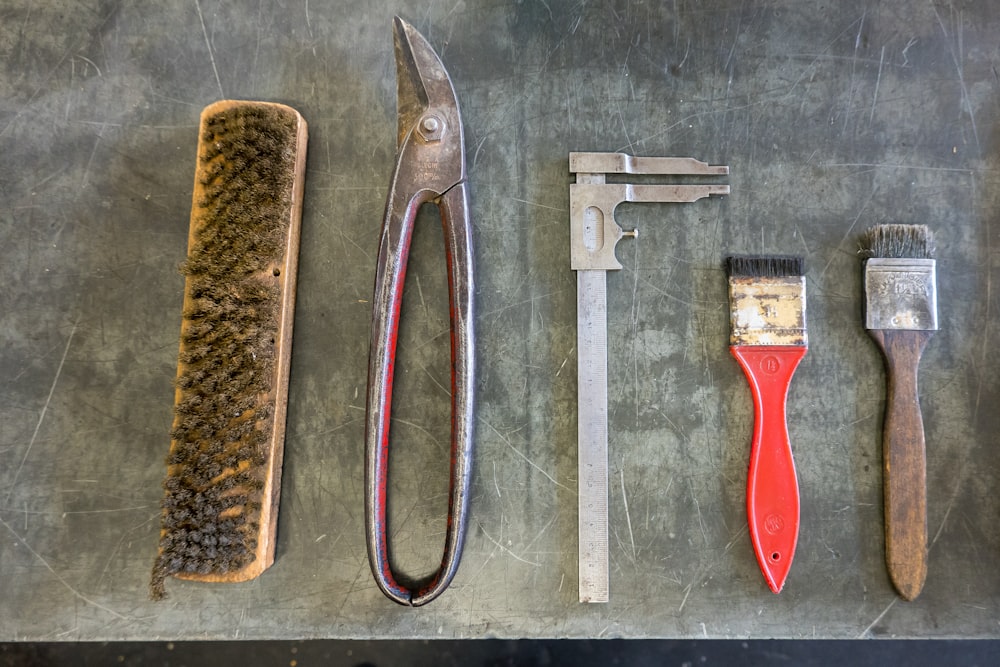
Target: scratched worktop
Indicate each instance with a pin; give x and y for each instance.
(831, 115)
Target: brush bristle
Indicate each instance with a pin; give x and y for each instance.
(224, 411)
(757, 266)
(898, 241)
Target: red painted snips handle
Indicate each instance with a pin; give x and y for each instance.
(772, 488)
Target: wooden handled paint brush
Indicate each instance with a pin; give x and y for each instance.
(901, 315)
(767, 297)
(223, 478)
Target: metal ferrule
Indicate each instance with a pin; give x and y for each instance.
(768, 311)
(900, 294)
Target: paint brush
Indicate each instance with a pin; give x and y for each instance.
(901, 315)
(767, 297)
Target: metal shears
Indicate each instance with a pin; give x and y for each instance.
(430, 168)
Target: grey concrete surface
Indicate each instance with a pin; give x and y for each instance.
(832, 116)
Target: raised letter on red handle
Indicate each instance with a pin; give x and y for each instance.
(772, 488)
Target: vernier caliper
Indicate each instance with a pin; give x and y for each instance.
(593, 236)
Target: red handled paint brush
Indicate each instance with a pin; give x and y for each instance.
(767, 298)
(901, 315)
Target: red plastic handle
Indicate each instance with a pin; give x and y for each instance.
(772, 488)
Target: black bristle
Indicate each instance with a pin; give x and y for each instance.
(240, 224)
(898, 241)
(762, 266)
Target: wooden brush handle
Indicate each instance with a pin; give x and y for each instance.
(904, 460)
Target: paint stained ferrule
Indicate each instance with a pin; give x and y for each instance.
(767, 310)
(900, 293)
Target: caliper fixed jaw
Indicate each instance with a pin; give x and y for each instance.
(594, 232)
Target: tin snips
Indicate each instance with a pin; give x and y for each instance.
(430, 168)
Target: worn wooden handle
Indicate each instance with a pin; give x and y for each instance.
(904, 460)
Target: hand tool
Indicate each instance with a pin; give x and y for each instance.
(593, 236)
(430, 167)
(767, 297)
(224, 470)
(901, 316)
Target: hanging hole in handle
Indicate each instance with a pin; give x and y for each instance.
(276, 272)
(775, 556)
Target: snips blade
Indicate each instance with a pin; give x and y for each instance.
(429, 129)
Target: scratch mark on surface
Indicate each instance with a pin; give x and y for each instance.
(957, 60)
(118, 547)
(492, 554)
(628, 516)
(540, 533)
(701, 522)
(889, 165)
(850, 230)
(364, 251)
(90, 160)
(495, 484)
(59, 578)
(475, 154)
(621, 117)
(430, 376)
(546, 5)
(309, 28)
(906, 58)
(687, 592)
(961, 473)
(239, 624)
(634, 322)
(505, 549)
(208, 43)
(877, 619)
(687, 52)
(41, 416)
(531, 203)
(662, 292)
(433, 438)
(854, 65)
(985, 348)
(677, 429)
(745, 528)
(354, 586)
(944, 519)
(89, 62)
(514, 304)
(529, 461)
(878, 82)
(420, 293)
(60, 513)
(816, 57)
(732, 49)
